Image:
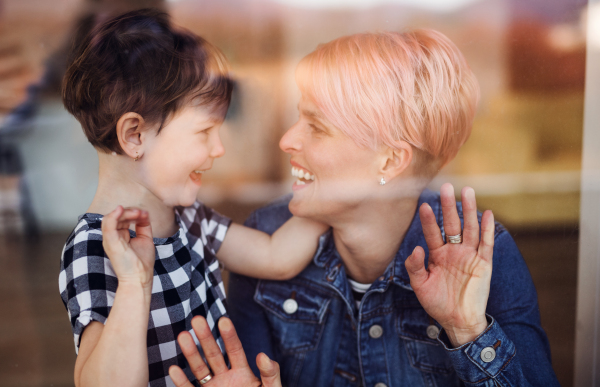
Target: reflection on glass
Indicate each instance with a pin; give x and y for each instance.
(523, 157)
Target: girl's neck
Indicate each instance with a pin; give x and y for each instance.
(118, 185)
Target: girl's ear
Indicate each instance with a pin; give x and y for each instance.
(129, 130)
(396, 160)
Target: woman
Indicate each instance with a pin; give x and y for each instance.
(386, 302)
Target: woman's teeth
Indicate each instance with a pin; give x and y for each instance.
(302, 174)
(198, 171)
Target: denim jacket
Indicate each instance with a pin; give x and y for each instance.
(312, 327)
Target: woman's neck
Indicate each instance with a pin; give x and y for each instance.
(368, 241)
(117, 185)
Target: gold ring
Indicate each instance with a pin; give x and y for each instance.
(454, 238)
(205, 379)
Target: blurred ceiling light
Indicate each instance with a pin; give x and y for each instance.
(593, 25)
(434, 5)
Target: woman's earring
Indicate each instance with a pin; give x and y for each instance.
(382, 181)
(137, 157)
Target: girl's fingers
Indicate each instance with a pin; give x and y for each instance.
(431, 230)
(233, 345)
(452, 224)
(178, 377)
(212, 352)
(142, 225)
(471, 229)
(110, 225)
(189, 349)
(129, 216)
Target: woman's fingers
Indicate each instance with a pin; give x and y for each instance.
(452, 224)
(471, 227)
(415, 266)
(189, 349)
(269, 371)
(212, 352)
(431, 230)
(178, 377)
(233, 345)
(488, 229)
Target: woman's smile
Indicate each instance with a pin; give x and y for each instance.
(304, 176)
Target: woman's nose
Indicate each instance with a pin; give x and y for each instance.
(291, 141)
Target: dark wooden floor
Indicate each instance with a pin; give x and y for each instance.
(36, 344)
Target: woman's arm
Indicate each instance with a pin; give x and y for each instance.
(281, 256)
(115, 354)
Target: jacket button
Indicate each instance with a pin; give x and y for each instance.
(488, 354)
(433, 331)
(290, 306)
(376, 331)
(380, 385)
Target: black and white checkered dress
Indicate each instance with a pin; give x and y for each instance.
(187, 282)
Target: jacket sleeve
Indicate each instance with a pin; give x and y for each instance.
(514, 349)
(247, 316)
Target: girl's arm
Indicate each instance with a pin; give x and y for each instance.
(115, 354)
(279, 256)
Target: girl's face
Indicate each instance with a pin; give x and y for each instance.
(174, 159)
(337, 175)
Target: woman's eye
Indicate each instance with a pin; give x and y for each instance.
(315, 128)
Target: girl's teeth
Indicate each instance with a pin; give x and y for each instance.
(300, 182)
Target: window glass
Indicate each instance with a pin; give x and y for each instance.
(523, 157)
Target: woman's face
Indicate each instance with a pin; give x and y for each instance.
(336, 175)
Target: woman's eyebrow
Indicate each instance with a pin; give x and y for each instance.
(311, 113)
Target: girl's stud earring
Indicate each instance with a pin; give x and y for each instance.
(137, 157)
(382, 181)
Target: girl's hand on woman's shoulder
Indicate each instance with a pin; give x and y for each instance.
(455, 286)
(131, 258)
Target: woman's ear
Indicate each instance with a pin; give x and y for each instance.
(129, 133)
(396, 160)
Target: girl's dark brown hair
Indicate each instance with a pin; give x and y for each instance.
(138, 62)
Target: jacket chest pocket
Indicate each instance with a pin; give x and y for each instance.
(419, 333)
(296, 313)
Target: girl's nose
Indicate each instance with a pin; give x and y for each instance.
(218, 149)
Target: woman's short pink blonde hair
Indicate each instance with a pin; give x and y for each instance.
(381, 88)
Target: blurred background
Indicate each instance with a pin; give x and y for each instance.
(523, 157)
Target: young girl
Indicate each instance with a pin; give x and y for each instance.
(151, 99)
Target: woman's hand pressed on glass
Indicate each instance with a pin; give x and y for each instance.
(455, 286)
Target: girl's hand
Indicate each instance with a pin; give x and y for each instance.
(240, 373)
(131, 258)
(454, 289)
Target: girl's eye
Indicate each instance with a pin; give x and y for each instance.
(204, 131)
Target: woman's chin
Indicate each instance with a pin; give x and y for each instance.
(296, 208)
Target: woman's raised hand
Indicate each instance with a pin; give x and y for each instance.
(455, 286)
(131, 258)
(240, 373)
